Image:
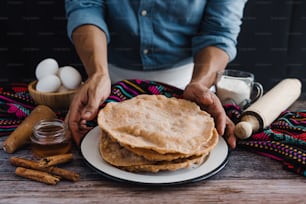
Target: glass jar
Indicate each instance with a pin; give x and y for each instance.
(50, 138)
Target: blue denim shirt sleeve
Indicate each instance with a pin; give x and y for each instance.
(83, 12)
(220, 26)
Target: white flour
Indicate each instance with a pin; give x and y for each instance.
(233, 89)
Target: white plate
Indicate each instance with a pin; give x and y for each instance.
(215, 162)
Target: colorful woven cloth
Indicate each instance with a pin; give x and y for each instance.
(130, 88)
(15, 105)
(284, 140)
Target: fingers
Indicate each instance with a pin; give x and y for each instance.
(98, 90)
(219, 114)
(77, 127)
(91, 109)
(229, 133)
(224, 125)
(73, 126)
(74, 117)
(220, 123)
(212, 104)
(78, 132)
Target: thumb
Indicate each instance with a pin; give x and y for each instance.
(91, 109)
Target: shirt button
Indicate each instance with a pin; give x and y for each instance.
(145, 51)
(144, 12)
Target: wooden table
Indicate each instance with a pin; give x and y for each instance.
(247, 178)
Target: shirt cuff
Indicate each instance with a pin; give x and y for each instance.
(225, 44)
(92, 16)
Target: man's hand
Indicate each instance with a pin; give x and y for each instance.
(209, 102)
(85, 105)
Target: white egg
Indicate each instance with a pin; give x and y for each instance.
(70, 77)
(49, 83)
(46, 67)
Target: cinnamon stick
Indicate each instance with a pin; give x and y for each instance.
(37, 175)
(63, 173)
(21, 135)
(54, 160)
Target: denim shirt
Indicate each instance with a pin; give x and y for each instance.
(158, 34)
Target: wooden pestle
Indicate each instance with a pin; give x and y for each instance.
(21, 135)
(267, 108)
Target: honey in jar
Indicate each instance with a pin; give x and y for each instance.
(50, 138)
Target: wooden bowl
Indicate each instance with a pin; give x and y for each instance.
(55, 100)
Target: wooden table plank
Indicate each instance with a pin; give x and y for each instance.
(214, 191)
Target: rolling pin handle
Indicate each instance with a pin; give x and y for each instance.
(250, 122)
(243, 130)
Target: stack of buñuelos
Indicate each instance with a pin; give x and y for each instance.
(154, 133)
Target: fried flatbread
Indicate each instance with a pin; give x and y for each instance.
(167, 166)
(155, 156)
(117, 155)
(122, 158)
(155, 122)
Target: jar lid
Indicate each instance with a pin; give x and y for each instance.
(49, 131)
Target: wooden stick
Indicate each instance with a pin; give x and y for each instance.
(37, 175)
(54, 160)
(63, 173)
(21, 135)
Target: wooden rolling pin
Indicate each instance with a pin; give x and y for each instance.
(267, 108)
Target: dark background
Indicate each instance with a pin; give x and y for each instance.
(30, 32)
(272, 42)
